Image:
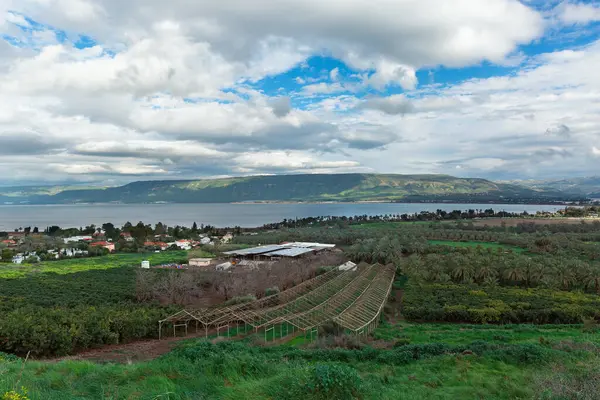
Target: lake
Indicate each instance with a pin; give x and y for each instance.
(219, 215)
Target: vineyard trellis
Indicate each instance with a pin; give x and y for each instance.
(352, 299)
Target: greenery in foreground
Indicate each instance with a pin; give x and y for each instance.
(429, 361)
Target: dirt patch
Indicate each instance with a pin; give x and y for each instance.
(142, 350)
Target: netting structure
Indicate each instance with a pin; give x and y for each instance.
(353, 300)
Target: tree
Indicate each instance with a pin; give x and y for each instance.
(110, 231)
(36, 230)
(195, 228)
(160, 229)
(7, 255)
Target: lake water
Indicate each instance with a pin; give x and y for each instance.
(220, 215)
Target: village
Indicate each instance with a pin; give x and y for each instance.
(27, 247)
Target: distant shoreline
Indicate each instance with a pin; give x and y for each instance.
(558, 204)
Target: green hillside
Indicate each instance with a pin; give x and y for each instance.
(587, 186)
(316, 187)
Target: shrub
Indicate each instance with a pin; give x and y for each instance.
(239, 300)
(333, 381)
(401, 342)
(271, 291)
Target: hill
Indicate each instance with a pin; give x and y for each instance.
(282, 188)
(586, 186)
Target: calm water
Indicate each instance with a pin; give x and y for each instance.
(220, 215)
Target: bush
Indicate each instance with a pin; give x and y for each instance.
(401, 342)
(526, 353)
(271, 291)
(240, 300)
(333, 381)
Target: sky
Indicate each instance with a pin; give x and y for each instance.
(109, 91)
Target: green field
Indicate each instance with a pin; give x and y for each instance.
(70, 266)
(430, 361)
(483, 245)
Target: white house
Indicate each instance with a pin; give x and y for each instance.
(78, 239)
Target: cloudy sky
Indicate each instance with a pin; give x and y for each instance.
(111, 91)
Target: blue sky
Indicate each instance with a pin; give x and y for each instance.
(106, 92)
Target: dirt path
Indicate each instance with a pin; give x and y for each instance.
(142, 350)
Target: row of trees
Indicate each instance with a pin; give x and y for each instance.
(438, 215)
(490, 269)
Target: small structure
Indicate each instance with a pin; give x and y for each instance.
(224, 267)
(127, 236)
(72, 239)
(200, 262)
(347, 266)
(228, 237)
(107, 245)
(146, 264)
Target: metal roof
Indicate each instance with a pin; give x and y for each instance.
(309, 244)
(255, 250)
(293, 252)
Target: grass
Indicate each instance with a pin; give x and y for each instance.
(466, 333)
(74, 265)
(436, 368)
(484, 245)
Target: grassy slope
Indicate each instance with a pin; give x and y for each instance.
(514, 370)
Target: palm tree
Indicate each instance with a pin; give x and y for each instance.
(564, 276)
(463, 273)
(514, 273)
(592, 279)
(486, 272)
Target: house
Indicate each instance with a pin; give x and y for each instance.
(106, 245)
(9, 243)
(200, 262)
(205, 240)
(71, 239)
(127, 236)
(16, 235)
(227, 238)
(184, 244)
(160, 245)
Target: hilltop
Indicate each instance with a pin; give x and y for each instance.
(295, 188)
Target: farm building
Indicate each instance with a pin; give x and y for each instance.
(200, 262)
(292, 250)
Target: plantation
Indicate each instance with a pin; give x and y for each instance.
(482, 245)
(496, 312)
(82, 303)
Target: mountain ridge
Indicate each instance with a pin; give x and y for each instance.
(350, 187)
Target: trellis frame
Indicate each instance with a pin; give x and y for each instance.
(354, 300)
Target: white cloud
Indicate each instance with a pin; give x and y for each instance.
(334, 74)
(168, 89)
(579, 13)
